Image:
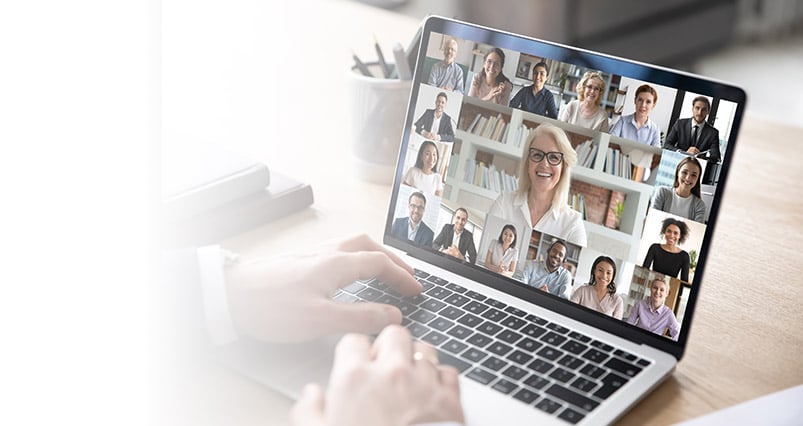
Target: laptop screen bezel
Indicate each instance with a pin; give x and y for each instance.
(594, 60)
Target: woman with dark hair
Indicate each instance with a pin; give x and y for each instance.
(424, 174)
(490, 84)
(502, 254)
(600, 293)
(685, 199)
(668, 258)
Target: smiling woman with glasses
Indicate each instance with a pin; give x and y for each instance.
(587, 109)
(541, 202)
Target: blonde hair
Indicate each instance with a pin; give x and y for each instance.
(561, 198)
(588, 76)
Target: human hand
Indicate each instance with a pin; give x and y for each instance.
(693, 150)
(544, 288)
(454, 252)
(288, 298)
(393, 382)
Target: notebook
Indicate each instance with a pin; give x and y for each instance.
(550, 202)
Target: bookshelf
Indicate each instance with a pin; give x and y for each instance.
(483, 167)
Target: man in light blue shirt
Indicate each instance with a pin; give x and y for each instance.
(550, 275)
(638, 126)
(447, 74)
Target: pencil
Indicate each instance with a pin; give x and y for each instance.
(382, 63)
(361, 66)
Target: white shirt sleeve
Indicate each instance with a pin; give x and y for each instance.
(213, 290)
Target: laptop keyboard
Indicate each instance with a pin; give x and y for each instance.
(540, 363)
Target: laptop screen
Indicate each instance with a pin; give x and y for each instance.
(581, 181)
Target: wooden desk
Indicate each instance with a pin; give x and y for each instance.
(745, 341)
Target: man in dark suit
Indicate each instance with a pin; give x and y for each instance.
(413, 228)
(456, 231)
(695, 135)
(434, 124)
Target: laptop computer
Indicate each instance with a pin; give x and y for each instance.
(549, 199)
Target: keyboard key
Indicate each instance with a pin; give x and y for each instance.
(353, 288)
(416, 300)
(422, 316)
(508, 336)
(388, 300)
(454, 346)
(602, 346)
(489, 328)
(499, 348)
(533, 330)
(548, 405)
(476, 296)
(592, 371)
(446, 359)
(569, 362)
(572, 397)
(562, 375)
(479, 340)
(440, 324)
(433, 305)
(369, 294)
(457, 300)
(623, 367)
(581, 337)
(451, 312)
(494, 363)
(460, 332)
(520, 357)
(439, 292)
(379, 285)
(504, 386)
(421, 274)
(643, 362)
(405, 308)
(514, 372)
(481, 375)
(553, 339)
(626, 355)
(535, 381)
(610, 384)
(584, 385)
(434, 338)
(525, 395)
(550, 353)
(540, 366)
(417, 330)
(456, 288)
(574, 347)
(437, 280)
(470, 320)
(495, 303)
(474, 355)
(494, 315)
(515, 311)
(529, 345)
(536, 319)
(475, 307)
(425, 285)
(406, 321)
(595, 356)
(346, 298)
(571, 416)
(513, 322)
(557, 328)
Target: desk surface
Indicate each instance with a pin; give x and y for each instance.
(745, 341)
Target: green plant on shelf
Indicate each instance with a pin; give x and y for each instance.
(617, 211)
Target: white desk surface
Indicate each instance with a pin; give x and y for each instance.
(216, 58)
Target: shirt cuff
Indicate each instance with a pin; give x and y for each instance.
(213, 289)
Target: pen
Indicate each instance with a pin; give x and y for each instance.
(401, 63)
(361, 66)
(382, 63)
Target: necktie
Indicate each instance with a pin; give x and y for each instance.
(694, 136)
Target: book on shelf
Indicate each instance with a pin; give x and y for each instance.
(586, 154)
(578, 203)
(487, 176)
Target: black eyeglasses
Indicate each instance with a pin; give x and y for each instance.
(553, 158)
